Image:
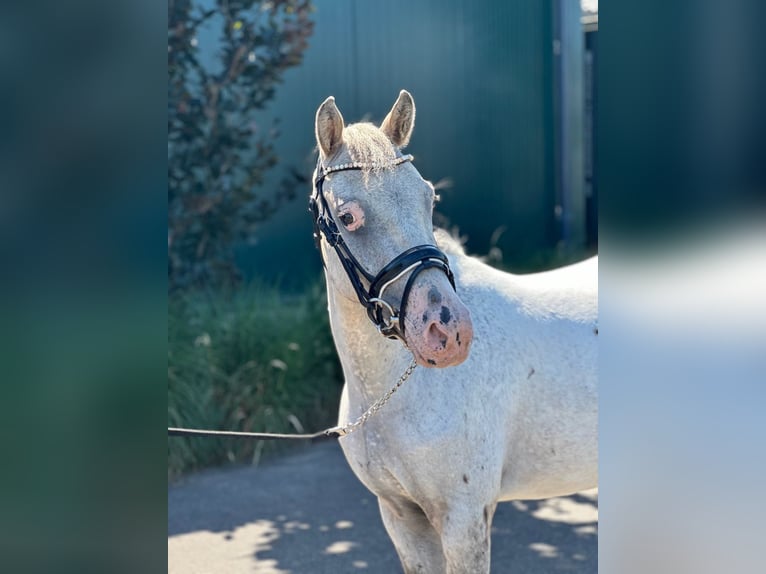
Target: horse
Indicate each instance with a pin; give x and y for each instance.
(505, 406)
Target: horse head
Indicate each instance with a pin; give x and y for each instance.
(373, 214)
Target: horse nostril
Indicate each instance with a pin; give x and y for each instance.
(436, 337)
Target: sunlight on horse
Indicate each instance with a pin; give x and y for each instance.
(512, 412)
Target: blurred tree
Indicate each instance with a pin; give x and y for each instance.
(217, 155)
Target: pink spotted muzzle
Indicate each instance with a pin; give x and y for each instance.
(439, 330)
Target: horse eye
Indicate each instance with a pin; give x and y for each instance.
(351, 215)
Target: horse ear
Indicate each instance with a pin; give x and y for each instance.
(329, 128)
(400, 120)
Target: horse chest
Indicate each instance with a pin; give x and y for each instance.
(416, 455)
(375, 463)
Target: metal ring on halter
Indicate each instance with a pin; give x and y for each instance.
(386, 326)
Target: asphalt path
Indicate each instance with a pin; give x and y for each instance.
(306, 513)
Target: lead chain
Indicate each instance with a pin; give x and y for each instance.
(376, 406)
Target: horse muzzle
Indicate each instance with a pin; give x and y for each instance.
(439, 328)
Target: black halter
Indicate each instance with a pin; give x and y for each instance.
(417, 259)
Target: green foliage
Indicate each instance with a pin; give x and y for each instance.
(248, 360)
(218, 156)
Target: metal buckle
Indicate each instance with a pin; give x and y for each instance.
(388, 327)
(391, 330)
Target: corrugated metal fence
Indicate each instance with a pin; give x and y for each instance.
(499, 94)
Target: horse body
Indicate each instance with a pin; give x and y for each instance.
(516, 419)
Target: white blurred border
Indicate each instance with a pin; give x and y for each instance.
(683, 404)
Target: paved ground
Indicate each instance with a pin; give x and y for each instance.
(307, 514)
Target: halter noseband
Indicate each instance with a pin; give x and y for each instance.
(416, 259)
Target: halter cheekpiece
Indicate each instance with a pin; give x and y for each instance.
(388, 319)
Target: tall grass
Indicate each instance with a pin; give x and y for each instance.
(248, 360)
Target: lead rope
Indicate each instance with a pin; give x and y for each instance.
(338, 431)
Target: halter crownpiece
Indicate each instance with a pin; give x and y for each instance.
(388, 320)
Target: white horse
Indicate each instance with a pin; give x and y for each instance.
(514, 418)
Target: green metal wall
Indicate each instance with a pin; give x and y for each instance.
(482, 75)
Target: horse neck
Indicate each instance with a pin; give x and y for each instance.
(371, 363)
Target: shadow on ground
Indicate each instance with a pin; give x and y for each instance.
(307, 513)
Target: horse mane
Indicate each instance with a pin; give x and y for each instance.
(447, 242)
(366, 144)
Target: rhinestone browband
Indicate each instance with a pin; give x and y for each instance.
(360, 165)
